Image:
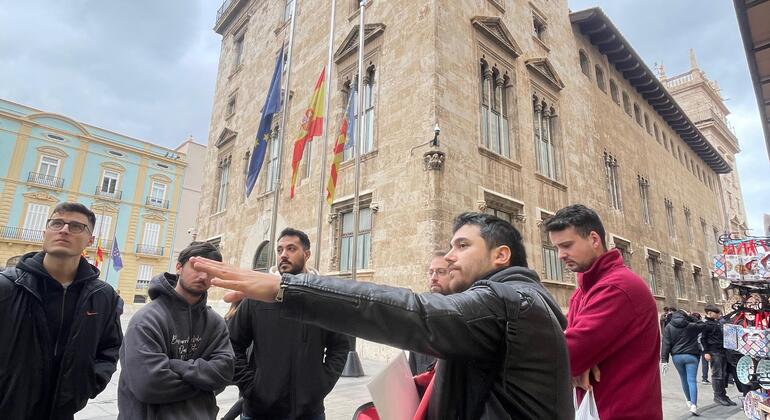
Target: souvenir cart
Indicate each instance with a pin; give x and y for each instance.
(744, 266)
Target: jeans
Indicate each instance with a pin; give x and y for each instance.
(687, 367)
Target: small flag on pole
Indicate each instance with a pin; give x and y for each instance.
(99, 258)
(312, 126)
(271, 107)
(117, 262)
(344, 141)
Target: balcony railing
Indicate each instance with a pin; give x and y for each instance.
(46, 180)
(21, 234)
(114, 195)
(156, 202)
(222, 9)
(149, 249)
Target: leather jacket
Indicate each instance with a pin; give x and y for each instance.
(467, 331)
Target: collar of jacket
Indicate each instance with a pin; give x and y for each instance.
(607, 262)
(512, 273)
(31, 270)
(164, 285)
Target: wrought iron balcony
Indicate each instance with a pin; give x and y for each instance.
(114, 195)
(21, 234)
(45, 180)
(142, 284)
(156, 202)
(226, 14)
(149, 249)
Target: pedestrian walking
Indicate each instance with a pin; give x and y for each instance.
(680, 341)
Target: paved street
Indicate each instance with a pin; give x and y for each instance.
(351, 393)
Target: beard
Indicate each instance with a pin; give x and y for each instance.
(183, 284)
(294, 268)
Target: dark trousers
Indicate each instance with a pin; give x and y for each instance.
(704, 366)
(719, 374)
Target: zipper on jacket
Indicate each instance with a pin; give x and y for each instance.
(61, 321)
(75, 322)
(190, 329)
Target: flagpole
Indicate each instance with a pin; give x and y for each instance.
(327, 96)
(353, 366)
(281, 130)
(361, 137)
(114, 239)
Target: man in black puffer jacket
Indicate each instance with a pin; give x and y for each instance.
(712, 340)
(499, 335)
(60, 330)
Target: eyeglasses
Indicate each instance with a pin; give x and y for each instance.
(58, 224)
(438, 271)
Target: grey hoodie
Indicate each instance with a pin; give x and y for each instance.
(174, 357)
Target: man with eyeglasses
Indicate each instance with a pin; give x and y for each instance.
(438, 282)
(61, 329)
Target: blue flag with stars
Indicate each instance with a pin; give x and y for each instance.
(117, 262)
(272, 106)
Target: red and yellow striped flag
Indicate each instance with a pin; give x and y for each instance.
(312, 126)
(344, 140)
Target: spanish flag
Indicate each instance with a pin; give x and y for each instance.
(312, 126)
(99, 258)
(344, 141)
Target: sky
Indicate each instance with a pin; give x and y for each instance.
(147, 68)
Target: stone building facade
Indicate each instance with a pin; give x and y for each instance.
(701, 99)
(538, 108)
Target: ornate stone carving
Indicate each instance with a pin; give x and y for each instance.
(434, 160)
(42, 196)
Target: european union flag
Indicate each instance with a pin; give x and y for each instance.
(117, 262)
(271, 107)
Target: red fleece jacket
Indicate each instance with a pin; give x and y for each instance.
(613, 323)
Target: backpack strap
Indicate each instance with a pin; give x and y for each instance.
(512, 302)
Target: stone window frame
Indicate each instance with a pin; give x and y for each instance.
(670, 222)
(612, 176)
(644, 199)
(499, 53)
(263, 250)
(545, 107)
(346, 63)
(638, 114)
(688, 222)
(680, 288)
(496, 201)
(600, 82)
(549, 253)
(585, 63)
(653, 259)
(624, 246)
(614, 92)
(539, 25)
(697, 281)
(232, 101)
(627, 103)
(335, 219)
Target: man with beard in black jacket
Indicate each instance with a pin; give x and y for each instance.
(177, 351)
(292, 366)
(498, 334)
(60, 330)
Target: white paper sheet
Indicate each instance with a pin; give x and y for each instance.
(393, 391)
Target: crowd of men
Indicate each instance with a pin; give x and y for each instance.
(488, 342)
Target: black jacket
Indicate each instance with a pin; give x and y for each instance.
(680, 336)
(292, 366)
(174, 358)
(60, 346)
(468, 331)
(712, 338)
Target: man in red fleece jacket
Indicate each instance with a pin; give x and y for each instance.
(612, 331)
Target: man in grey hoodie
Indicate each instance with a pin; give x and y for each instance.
(176, 353)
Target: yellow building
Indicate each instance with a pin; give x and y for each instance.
(133, 187)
